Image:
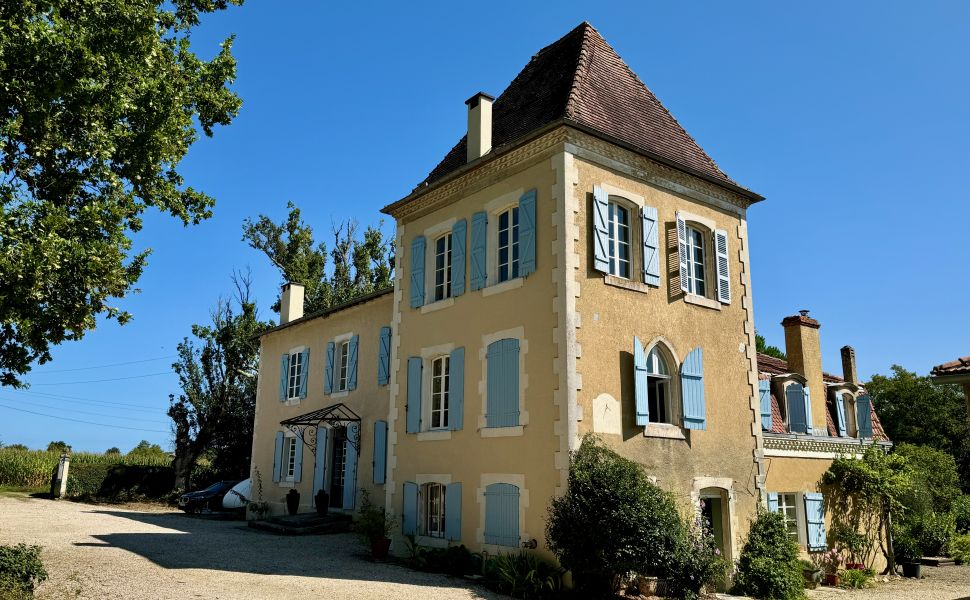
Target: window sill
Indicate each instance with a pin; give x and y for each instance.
(664, 430)
(626, 284)
(505, 286)
(431, 542)
(702, 301)
(339, 394)
(513, 431)
(286, 484)
(431, 436)
(437, 305)
(292, 402)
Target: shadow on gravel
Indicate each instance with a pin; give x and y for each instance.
(184, 542)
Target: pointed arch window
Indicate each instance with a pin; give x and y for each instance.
(658, 387)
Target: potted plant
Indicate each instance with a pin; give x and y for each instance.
(829, 563)
(853, 543)
(292, 501)
(322, 500)
(908, 554)
(811, 573)
(374, 526)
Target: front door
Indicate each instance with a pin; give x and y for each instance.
(337, 468)
(713, 511)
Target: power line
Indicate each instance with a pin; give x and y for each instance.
(130, 362)
(115, 405)
(84, 412)
(102, 380)
(82, 421)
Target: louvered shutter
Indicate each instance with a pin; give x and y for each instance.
(453, 511)
(414, 395)
(352, 363)
(764, 394)
(840, 414)
(503, 383)
(863, 406)
(815, 522)
(477, 263)
(284, 377)
(527, 233)
(649, 228)
(320, 461)
(304, 371)
(456, 389)
(380, 452)
(640, 382)
(601, 230)
(298, 461)
(278, 458)
(384, 357)
(807, 398)
(459, 231)
(795, 401)
(417, 271)
(682, 252)
(502, 515)
(773, 502)
(409, 509)
(723, 266)
(692, 390)
(350, 466)
(328, 373)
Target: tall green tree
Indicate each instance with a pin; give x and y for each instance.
(58, 446)
(217, 373)
(761, 345)
(99, 102)
(147, 450)
(361, 264)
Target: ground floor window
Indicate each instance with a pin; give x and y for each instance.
(787, 508)
(434, 510)
(289, 458)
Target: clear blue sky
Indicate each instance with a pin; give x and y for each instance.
(851, 118)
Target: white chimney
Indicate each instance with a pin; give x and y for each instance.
(291, 303)
(479, 125)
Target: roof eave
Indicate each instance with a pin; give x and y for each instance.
(329, 311)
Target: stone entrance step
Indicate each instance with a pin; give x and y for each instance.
(937, 561)
(304, 524)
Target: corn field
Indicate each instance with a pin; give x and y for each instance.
(34, 468)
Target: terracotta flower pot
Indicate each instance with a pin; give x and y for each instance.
(832, 579)
(380, 548)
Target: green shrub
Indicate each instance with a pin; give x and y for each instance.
(453, 560)
(931, 531)
(960, 548)
(961, 514)
(20, 570)
(372, 523)
(698, 562)
(611, 521)
(119, 482)
(524, 575)
(856, 579)
(769, 566)
(905, 545)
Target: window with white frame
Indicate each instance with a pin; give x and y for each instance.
(440, 388)
(294, 375)
(658, 388)
(343, 362)
(696, 265)
(620, 230)
(508, 244)
(788, 509)
(442, 267)
(433, 524)
(289, 458)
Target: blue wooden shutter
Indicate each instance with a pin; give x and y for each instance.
(320, 461)
(384, 357)
(815, 519)
(380, 451)
(502, 515)
(478, 264)
(840, 414)
(453, 511)
(795, 401)
(409, 509)
(304, 372)
(692, 390)
(278, 458)
(527, 233)
(723, 266)
(328, 374)
(640, 382)
(503, 383)
(458, 235)
(417, 271)
(807, 398)
(764, 393)
(773, 502)
(298, 460)
(456, 389)
(651, 245)
(863, 407)
(350, 466)
(284, 377)
(414, 395)
(601, 230)
(682, 251)
(352, 363)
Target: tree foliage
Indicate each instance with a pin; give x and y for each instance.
(99, 101)
(360, 265)
(148, 451)
(768, 566)
(216, 368)
(59, 446)
(761, 345)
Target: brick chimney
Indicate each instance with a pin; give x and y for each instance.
(849, 372)
(479, 141)
(291, 303)
(805, 358)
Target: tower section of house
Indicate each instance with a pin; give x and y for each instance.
(575, 264)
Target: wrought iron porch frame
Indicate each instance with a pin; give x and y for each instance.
(336, 416)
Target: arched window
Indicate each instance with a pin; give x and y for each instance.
(658, 387)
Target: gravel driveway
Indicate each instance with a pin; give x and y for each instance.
(938, 583)
(103, 551)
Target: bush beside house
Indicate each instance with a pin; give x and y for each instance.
(21, 570)
(769, 567)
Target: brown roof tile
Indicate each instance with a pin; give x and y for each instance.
(959, 366)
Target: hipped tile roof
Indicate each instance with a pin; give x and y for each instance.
(960, 366)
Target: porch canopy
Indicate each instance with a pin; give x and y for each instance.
(335, 416)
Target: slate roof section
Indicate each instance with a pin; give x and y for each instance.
(960, 366)
(579, 79)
